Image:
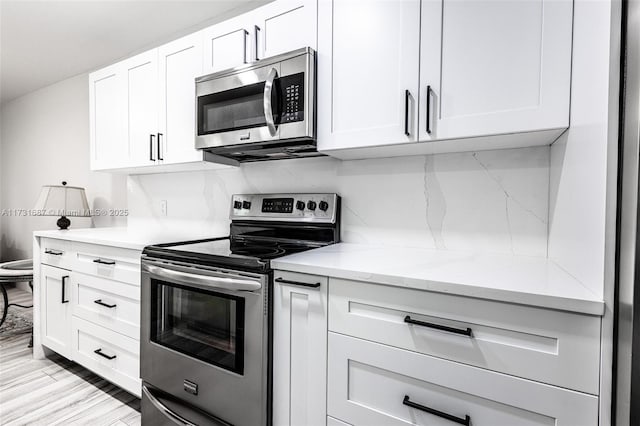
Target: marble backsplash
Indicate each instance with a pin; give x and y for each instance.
(489, 201)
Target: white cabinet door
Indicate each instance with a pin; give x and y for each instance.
(107, 109)
(285, 25)
(141, 74)
(56, 292)
(494, 67)
(299, 349)
(368, 72)
(180, 62)
(227, 44)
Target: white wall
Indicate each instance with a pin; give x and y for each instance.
(491, 201)
(45, 140)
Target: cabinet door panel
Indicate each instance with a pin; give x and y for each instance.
(368, 59)
(56, 315)
(501, 67)
(286, 25)
(299, 351)
(107, 103)
(142, 105)
(180, 62)
(227, 44)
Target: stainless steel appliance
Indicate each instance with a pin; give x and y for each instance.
(260, 111)
(206, 311)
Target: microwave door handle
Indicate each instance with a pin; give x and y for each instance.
(268, 108)
(204, 281)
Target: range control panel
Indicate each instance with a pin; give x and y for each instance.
(285, 207)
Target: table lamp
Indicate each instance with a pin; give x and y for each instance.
(64, 201)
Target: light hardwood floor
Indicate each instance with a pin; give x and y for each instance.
(55, 391)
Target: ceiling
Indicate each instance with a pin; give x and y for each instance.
(46, 41)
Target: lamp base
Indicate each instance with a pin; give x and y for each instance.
(63, 222)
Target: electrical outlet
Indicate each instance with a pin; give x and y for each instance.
(163, 207)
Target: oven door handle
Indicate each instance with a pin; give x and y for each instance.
(205, 281)
(268, 107)
(172, 415)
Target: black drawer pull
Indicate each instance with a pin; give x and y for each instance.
(104, 262)
(283, 281)
(102, 354)
(53, 252)
(101, 303)
(466, 332)
(466, 421)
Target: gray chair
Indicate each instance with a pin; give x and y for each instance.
(14, 272)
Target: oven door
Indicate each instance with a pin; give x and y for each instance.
(204, 339)
(267, 101)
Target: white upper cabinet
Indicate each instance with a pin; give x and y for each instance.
(107, 109)
(227, 44)
(494, 67)
(368, 72)
(285, 25)
(487, 72)
(141, 76)
(179, 63)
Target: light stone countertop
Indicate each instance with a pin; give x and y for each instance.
(533, 281)
(124, 237)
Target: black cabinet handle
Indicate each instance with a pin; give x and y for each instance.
(406, 112)
(53, 252)
(466, 421)
(101, 303)
(159, 147)
(151, 147)
(256, 30)
(104, 262)
(102, 354)
(429, 109)
(466, 332)
(283, 281)
(64, 284)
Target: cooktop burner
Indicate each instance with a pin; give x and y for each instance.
(263, 227)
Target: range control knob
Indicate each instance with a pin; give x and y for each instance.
(300, 205)
(323, 206)
(246, 205)
(311, 205)
(237, 205)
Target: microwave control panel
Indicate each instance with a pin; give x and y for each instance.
(292, 91)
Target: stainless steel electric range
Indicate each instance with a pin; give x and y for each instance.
(206, 311)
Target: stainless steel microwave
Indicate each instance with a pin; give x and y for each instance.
(260, 111)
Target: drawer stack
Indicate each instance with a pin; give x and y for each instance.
(402, 356)
(102, 317)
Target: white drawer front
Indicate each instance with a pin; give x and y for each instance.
(111, 304)
(56, 253)
(112, 263)
(123, 369)
(553, 347)
(368, 384)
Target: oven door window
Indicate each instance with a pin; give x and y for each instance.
(205, 325)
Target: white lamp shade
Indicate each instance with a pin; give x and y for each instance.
(61, 200)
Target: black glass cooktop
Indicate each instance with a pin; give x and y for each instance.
(227, 252)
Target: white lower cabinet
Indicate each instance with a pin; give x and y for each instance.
(55, 293)
(299, 349)
(110, 354)
(351, 353)
(374, 384)
(90, 313)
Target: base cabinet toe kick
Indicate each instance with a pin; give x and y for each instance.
(88, 305)
(398, 356)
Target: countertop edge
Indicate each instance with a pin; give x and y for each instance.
(574, 305)
(92, 240)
